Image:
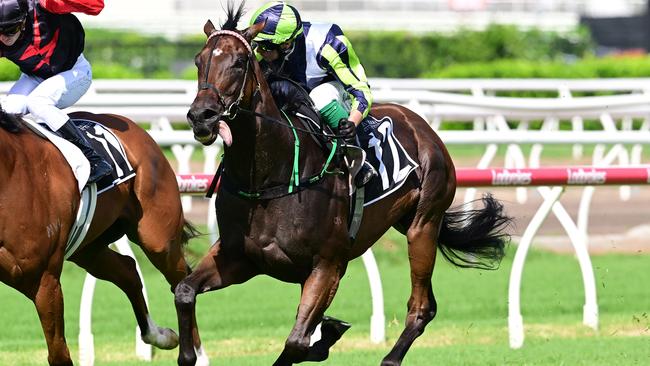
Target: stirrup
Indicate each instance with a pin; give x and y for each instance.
(365, 175)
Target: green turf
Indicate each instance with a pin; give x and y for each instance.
(247, 324)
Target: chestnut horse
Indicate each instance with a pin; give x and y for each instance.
(39, 197)
(302, 237)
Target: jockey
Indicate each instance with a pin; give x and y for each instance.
(320, 58)
(46, 41)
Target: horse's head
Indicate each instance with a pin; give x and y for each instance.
(226, 76)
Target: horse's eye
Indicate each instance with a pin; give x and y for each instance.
(240, 63)
(197, 60)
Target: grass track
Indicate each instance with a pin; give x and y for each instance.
(247, 324)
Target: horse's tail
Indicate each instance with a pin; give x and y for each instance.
(189, 232)
(475, 238)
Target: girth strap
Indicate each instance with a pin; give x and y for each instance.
(268, 193)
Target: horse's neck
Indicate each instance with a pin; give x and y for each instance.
(263, 151)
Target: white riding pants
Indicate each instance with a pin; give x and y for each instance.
(45, 98)
(325, 93)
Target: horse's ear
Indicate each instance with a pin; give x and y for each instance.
(208, 28)
(252, 31)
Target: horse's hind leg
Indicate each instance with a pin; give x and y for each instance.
(317, 294)
(215, 271)
(108, 265)
(422, 237)
(162, 243)
(161, 239)
(49, 304)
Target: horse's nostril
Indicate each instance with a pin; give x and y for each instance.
(207, 114)
(201, 115)
(191, 117)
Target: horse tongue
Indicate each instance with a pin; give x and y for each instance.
(224, 132)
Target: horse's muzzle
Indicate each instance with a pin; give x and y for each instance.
(205, 123)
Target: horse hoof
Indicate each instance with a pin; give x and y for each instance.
(331, 331)
(163, 338)
(334, 328)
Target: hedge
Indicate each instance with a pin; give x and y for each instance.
(497, 52)
(384, 54)
(405, 55)
(606, 67)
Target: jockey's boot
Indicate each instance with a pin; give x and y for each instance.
(365, 175)
(99, 168)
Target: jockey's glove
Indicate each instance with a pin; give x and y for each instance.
(347, 130)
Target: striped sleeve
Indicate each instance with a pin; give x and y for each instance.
(338, 57)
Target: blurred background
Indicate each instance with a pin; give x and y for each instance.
(397, 39)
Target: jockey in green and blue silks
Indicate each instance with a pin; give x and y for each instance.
(320, 58)
(316, 55)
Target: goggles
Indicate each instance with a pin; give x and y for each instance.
(11, 30)
(267, 46)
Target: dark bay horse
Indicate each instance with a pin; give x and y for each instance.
(303, 237)
(39, 200)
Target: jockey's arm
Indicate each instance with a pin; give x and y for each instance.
(351, 74)
(355, 117)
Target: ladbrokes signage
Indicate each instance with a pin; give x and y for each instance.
(586, 177)
(507, 178)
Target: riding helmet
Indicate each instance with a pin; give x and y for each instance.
(12, 13)
(283, 22)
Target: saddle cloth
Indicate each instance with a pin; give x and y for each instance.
(386, 154)
(102, 140)
(110, 148)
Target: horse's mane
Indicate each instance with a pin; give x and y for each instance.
(233, 16)
(10, 122)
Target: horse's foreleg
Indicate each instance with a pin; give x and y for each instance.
(49, 304)
(317, 294)
(120, 270)
(422, 305)
(215, 271)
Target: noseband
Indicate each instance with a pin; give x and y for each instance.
(232, 109)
